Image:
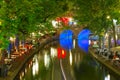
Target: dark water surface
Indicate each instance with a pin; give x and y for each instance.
(76, 65)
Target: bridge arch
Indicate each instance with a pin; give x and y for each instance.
(81, 35)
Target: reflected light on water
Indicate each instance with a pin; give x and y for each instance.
(25, 70)
(46, 60)
(53, 52)
(70, 57)
(74, 43)
(35, 67)
(20, 77)
(23, 74)
(107, 77)
(75, 58)
(30, 64)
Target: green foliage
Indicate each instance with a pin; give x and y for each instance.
(23, 16)
(93, 13)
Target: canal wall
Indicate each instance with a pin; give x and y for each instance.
(33, 52)
(115, 71)
(19, 63)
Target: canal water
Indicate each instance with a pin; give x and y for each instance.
(56, 63)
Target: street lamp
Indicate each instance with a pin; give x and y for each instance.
(12, 39)
(108, 17)
(0, 23)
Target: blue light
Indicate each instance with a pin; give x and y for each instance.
(83, 39)
(66, 40)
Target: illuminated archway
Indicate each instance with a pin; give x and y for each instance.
(66, 39)
(83, 39)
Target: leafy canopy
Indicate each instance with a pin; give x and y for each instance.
(23, 16)
(97, 14)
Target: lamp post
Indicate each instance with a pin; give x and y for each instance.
(114, 32)
(109, 39)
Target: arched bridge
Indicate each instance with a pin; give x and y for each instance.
(76, 30)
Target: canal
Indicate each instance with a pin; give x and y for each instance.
(53, 62)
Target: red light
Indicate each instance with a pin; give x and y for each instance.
(61, 53)
(64, 20)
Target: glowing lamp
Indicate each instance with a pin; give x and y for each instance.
(61, 53)
(83, 39)
(66, 39)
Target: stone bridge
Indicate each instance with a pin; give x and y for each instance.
(76, 30)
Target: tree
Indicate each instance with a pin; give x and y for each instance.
(97, 15)
(26, 16)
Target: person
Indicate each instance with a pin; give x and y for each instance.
(115, 57)
(116, 60)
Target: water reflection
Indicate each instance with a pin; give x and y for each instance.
(46, 60)
(87, 70)
(107, 77)
(75, 66)
(74, 43)
(70, 57)
(53, 52)
(35, 66)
